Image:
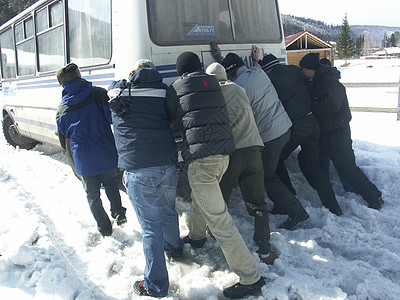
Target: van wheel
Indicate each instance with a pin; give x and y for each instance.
(68, 148)
(13, 137)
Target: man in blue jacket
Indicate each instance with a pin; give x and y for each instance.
(148, 154)
(84, 118)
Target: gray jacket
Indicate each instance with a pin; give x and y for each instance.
(270, 115)
(240, 114)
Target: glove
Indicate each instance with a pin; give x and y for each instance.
(255, 52)
(216, 52)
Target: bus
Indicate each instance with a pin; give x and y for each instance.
(105, 37)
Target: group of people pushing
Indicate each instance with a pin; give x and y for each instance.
(238, 126)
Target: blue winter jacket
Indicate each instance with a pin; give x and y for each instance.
(84, 118)
(142, 134)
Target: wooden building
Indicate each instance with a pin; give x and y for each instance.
(299, 44)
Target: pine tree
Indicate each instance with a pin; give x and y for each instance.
(345, 47)
(360, 40)
(385, 41)
(10, 8)
(394, 39)
(6, 12)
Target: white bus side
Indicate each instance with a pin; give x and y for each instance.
(105, 38)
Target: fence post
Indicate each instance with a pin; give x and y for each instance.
(398, 103)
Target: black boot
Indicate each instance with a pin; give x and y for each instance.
(293, 221)
(239, 290)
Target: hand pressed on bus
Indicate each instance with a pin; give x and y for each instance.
(216, 52)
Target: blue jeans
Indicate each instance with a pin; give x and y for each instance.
(152, 192)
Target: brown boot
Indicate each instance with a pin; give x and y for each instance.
(270, 258)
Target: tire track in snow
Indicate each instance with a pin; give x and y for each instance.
(65, 252)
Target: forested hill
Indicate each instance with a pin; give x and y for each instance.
(293, 24)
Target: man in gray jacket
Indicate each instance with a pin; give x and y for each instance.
(273, 124)
(245, 164)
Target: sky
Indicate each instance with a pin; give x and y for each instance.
(50, 248)
(359, 12)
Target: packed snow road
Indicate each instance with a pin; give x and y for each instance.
(50, 247)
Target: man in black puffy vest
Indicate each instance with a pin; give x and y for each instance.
(196, 104)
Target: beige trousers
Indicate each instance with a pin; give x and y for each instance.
(209, 207)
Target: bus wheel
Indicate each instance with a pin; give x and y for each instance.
(68, 148)
(13, 137)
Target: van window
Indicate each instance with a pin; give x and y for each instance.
(90, 37)
(50, 37)
(185, 22)
(25, 44)
(7, 54)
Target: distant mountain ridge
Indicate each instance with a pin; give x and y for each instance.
(293, 24)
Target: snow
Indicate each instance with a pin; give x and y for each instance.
(388, 51)
(50, 248)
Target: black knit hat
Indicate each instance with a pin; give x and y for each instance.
(232, 61)
(68, 73)
(325, 61)
(310, 61)
(269, 61)
(188, 62)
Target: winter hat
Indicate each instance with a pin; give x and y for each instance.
(269, 61)
(143, 63)
(325, 61)
(217, 70)
(68, 73)
(310, 61)
(188, 62)
(140, 64)
(232, 61)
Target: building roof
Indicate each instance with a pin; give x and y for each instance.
(388, 51)
(305, 40)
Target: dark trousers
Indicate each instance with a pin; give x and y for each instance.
(245, 167)
(305, 132)
(276, 190)
(337, 144)
(325, 163)
(92, 185)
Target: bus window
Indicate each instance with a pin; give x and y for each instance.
(178, 22)
(50, 37)
(261, 29)
(25, 45)
(19, 32)
(42, 21)
(189, 22)
(7, 54)
(56, 14)
(90, 35)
